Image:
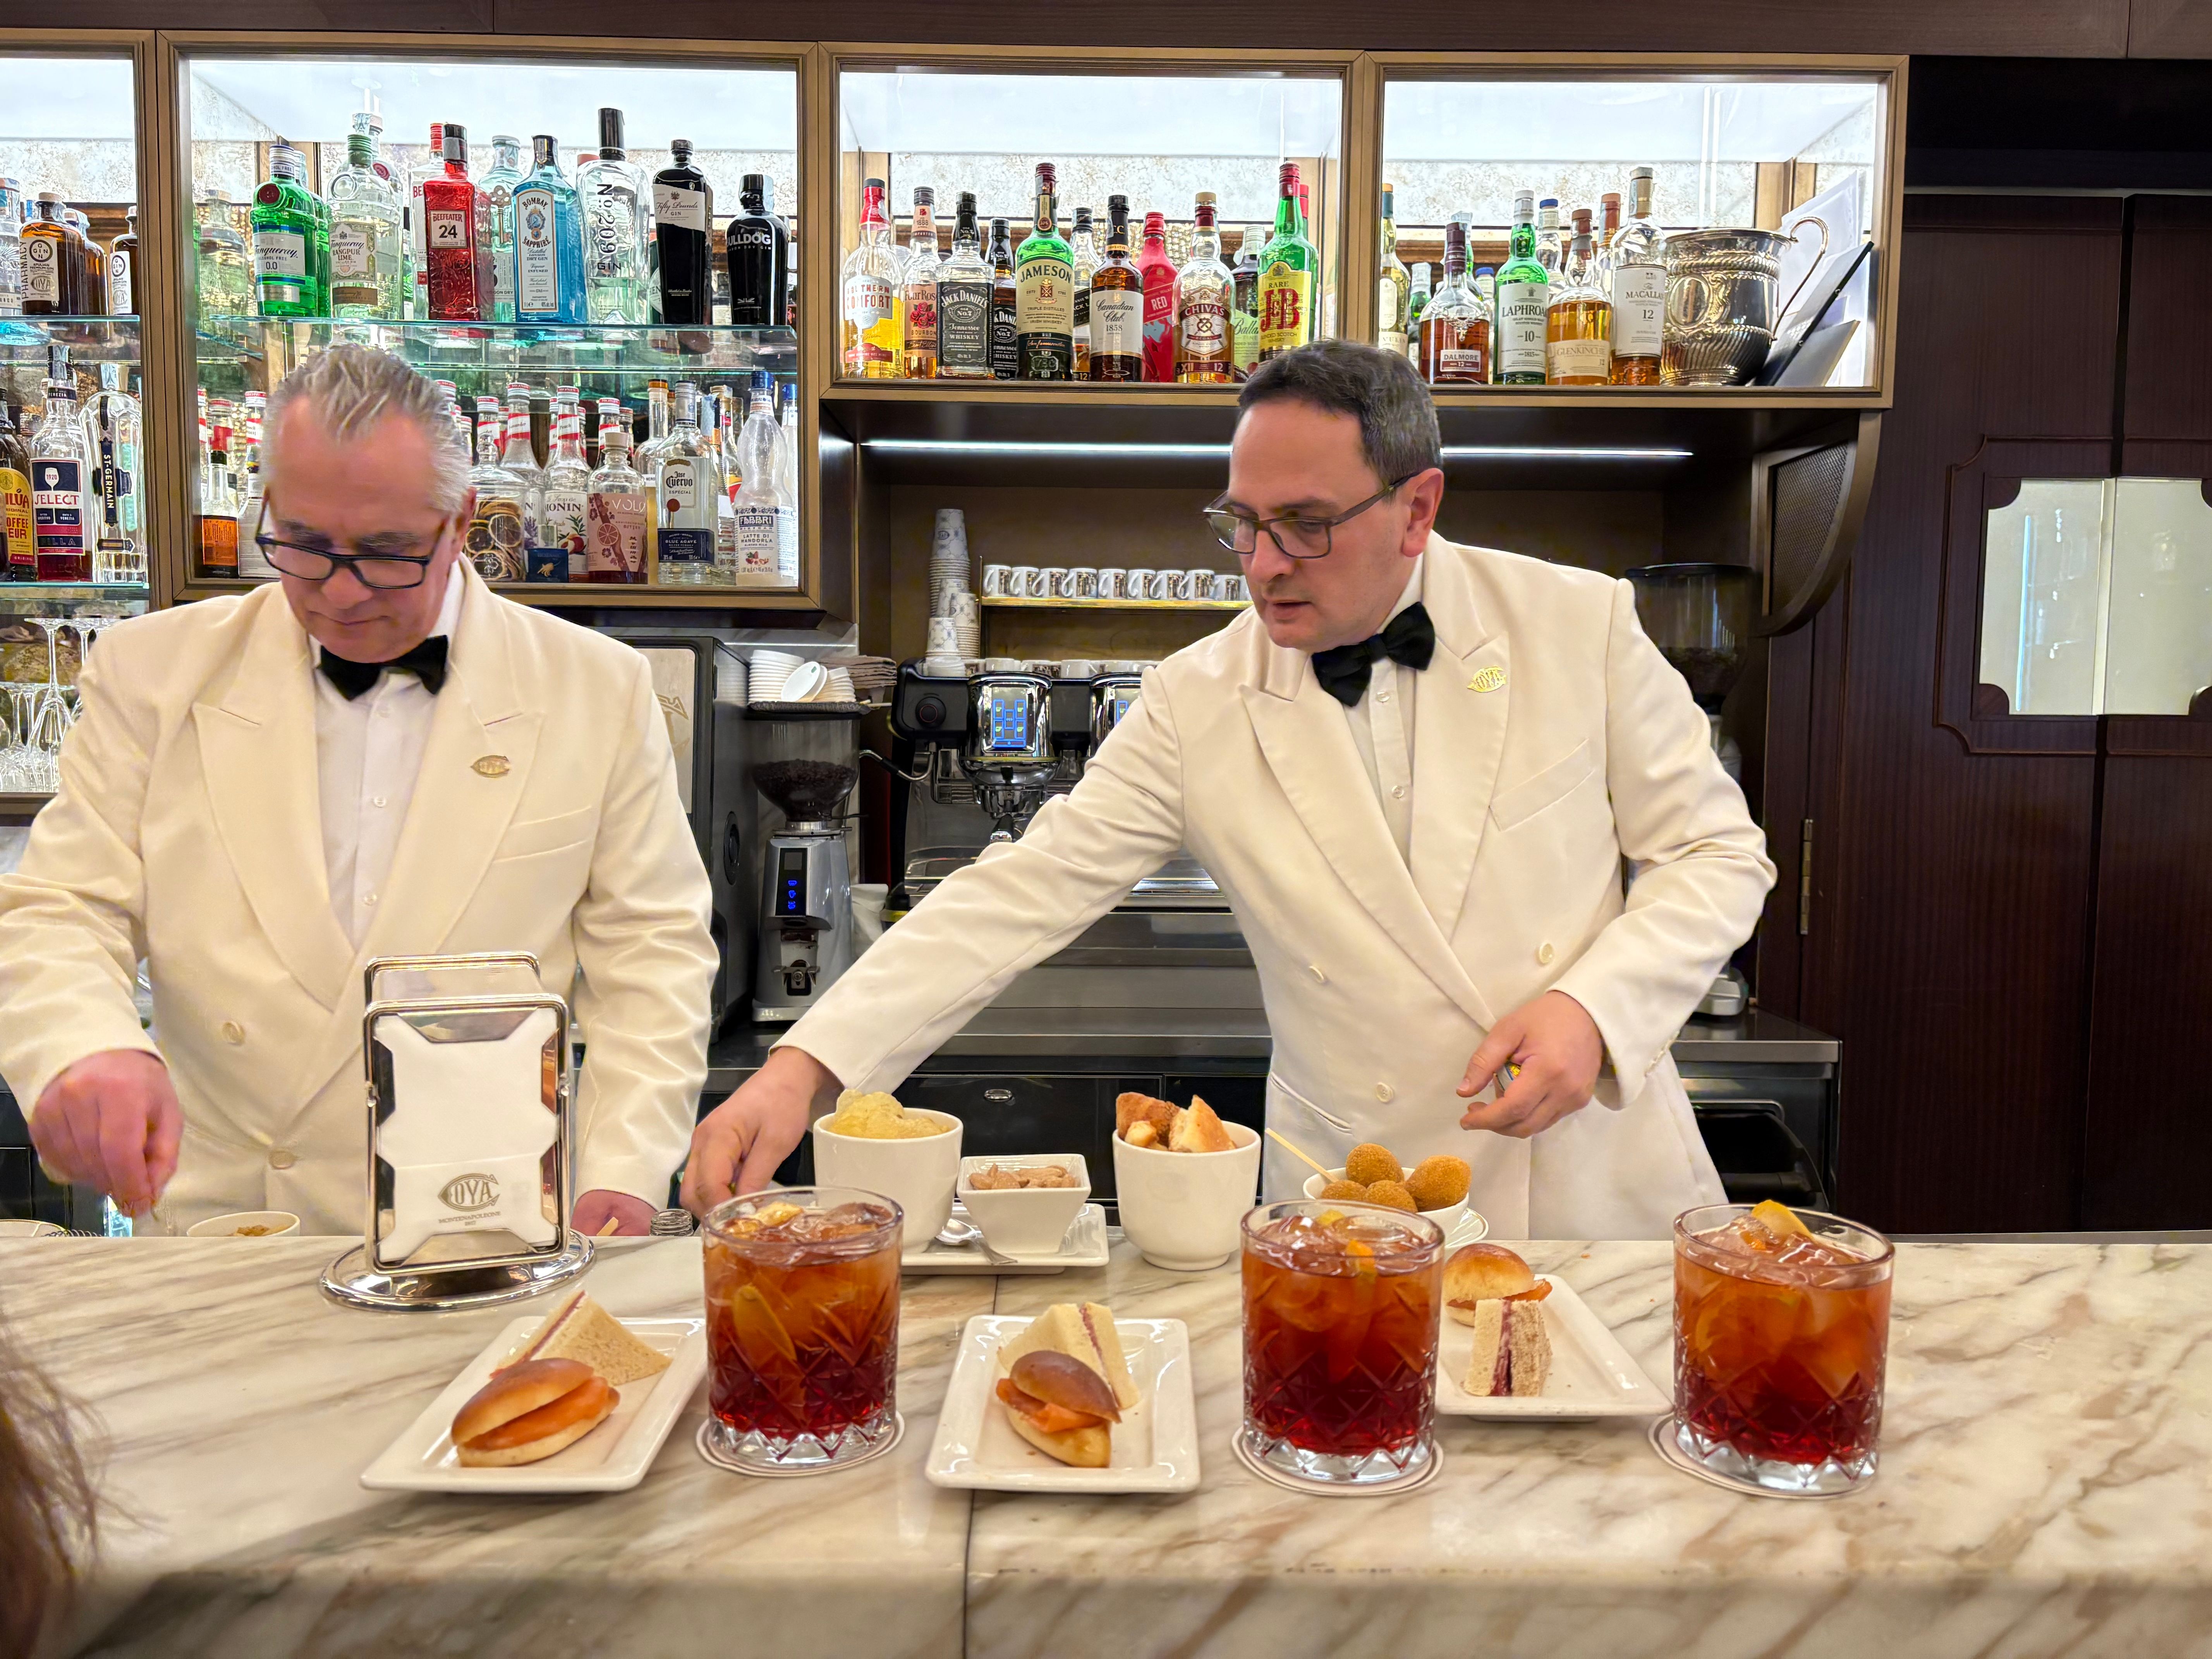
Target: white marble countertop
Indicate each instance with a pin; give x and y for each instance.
(2046, 1488)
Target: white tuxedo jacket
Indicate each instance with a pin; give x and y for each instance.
(1551, 741)
(187, 832)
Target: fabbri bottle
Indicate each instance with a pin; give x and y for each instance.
(549, 242)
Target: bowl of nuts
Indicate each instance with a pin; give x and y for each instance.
(1025, 1204)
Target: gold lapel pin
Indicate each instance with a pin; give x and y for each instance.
(490, 766)
(1488, 680)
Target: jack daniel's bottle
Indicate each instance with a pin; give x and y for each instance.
(963, 302)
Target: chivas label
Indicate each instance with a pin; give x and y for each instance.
(614, 534)
(963, 324)
(1639, 309)
(1285, 308)
(1204, 328)
(1522, 310)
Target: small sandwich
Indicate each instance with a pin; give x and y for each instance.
(580, 1328)
(1143, 1122)
(1489, 1287)
(529, 1412)
(1067, 1383)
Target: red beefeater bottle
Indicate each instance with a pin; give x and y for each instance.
(1159, 299)
(457, 254)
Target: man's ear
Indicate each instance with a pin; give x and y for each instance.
(1425, 496)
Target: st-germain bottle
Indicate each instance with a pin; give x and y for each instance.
(365, 232)
(549, 242)
(1455, 339)
(874, 336)
(683, 221)
(616, 208)
(1117, 303)
(1289, 266)
(618, 508)
(1005, 293)
(963, 302)
(918, 276)
(1638, 270)
(285, 218)
(758, 244)
(1203, 292)
(1044, 281)
(685, 492)
(456, 221)
(1159, 274)
(1524, 302)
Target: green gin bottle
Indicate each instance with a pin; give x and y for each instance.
(291, 240)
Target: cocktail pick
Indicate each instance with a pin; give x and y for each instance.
(1293, 1151)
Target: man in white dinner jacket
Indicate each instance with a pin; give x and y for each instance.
(1415, 769)
(374, 756)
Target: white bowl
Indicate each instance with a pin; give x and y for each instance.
(1028, 1220)
(278, 1222)
(12, 1228)
(1182, 1209)
(1449, 1217)
(919, 1174)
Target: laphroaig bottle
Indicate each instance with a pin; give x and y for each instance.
(618, 509)
(1288, 266)
(284, 217)
(1202, 297)
(1044, 283)
(874, 338)
(563, 519)
(549, 242)
(683, 226)
(1159, 274)
(963, 302)
(57, 488)
(685, 494)
(1524, 301)
(768, 522)
(19, 546)
(758, 243)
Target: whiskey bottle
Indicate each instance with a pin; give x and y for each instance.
(1245, 301)
(1394, 287)
(1417, 300)
(963, 302)
(1578, 332)
(615, 508)
(1083, 247)
(1005, 298)
(1288, 267)
(1159, 276)
(758, 246)
(873, 339)
(920, 278)
(1524, 302)
(1117, 303)
(1203, 291)
(1044, 298)
(683, 232)
(1637, 275)
(1455, 338)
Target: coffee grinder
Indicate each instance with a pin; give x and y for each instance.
(805, 761)
(1701, 616)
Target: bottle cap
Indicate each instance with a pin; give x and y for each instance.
(1524, 205)
(1048, 175)
(680, 149)
(611, 134)
(457, 143)
(1290, 178)
(1118, 205)
(924, 195)
(871, 184)
(753, 190)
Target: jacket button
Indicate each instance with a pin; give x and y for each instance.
(1545, 953)
(1384, 1091)
(233, 1032)
(1320, 978)
(282, 1159)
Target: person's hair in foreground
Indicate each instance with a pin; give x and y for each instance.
(46, 1501)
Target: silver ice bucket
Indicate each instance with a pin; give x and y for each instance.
(1721, 312)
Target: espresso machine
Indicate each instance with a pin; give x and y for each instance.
(805, 761)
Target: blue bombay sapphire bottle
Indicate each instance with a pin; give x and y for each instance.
(548, 243)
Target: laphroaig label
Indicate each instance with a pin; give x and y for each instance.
(1285, 308)
(1521, 307)
(1639, 309)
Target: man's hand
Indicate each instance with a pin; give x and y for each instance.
(737, 1146)
(1557, 1046)
(111, 1122)
(633, 1217)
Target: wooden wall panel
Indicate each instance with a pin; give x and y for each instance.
(2169, 346)
(278, 16)
(1952, 956)
(2169, 28)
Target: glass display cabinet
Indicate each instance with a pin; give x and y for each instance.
(594, 255)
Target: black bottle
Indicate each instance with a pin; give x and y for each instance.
(684, 218)
(1006, 350)
(759, 247)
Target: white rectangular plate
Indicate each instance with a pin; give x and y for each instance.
(1592, 1375)
(1155, 1444)
(1084, 1245)
(613, 1457)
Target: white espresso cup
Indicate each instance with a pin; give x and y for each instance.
(998, 580)
(921, 1173)
(1025, 581)
(1112, 582)
(1058, 582)
(1158, 584)
(1082, 582)
(1182, 1209)
(1201, 583)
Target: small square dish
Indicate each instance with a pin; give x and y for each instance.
(1592, 1375)
(1155, 1444)
(1017, 1219)
(613, 1457)
(1084, 1245)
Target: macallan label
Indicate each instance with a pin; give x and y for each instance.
(1286, 305)
(1521, 312)
(1639, 309)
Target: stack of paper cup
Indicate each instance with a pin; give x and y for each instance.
(945, 655)
(768, 670)
(952, 583)
(729, 676)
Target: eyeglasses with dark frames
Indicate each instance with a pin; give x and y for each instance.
(1296, 535)
(319, 564)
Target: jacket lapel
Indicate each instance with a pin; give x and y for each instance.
(258, 754)
(1459, 737)
(1301, 731)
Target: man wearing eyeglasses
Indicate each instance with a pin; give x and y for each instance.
(374, 756)
(1415, 770)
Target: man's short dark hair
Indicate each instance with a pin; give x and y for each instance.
(1397, 421)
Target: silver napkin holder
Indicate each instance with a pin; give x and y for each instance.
(468, 1191)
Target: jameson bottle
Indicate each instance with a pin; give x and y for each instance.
(1288, 267)
(963, 302)
(1044, 301)
(683, 226)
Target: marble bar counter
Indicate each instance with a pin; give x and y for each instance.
(2046, 1489)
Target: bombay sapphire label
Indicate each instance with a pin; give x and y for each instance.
(537, 269)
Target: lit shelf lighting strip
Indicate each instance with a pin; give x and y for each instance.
(1451, 452)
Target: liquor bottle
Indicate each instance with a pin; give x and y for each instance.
(1005, 296)
(59, 464)
(1608, 228)
(1524, 301)
(1083, 252)
(498, 185)
(618, 507)
(1204, 289)
(365, 232)
(1393, 290)
(11, 248)
(787, 453)
(684, 492)
(453, 220)
(1245, 301)
(1579, 332)
(92, 263)
(656, 427)
(1637, 274)
(615, 204)
(518, 455)
(49, 282)
(497, 539)
(1551, 253)
(1455, 329)
(19, 545)
(218, 526)
(1159, 273)
(874, 338)
(683, 234)
(767, 519)
(122, 269)
(1417, 299)
(1288, 267)
(919, 276)
(758, 244)
(1044, 290)
(548, 243)
(1117, 303)
(963, 302)
(414, 285)
(284, 220)
(564, 517)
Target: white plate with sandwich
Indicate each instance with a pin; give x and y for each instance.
(1518, 1345)
(1090, 1404)
(575, 1401)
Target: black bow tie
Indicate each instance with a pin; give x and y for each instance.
(1409, 638)
(426, 662)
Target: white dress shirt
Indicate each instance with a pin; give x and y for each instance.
(1382, 732)
(367, 751)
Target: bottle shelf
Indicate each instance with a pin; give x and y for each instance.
(19, 802)
(72, 590)
(646, 350)
(90, 339)
(994, 602)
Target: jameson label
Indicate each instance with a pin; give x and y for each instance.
(1639, 309)
(1044, 319)
(963, 324)
(1285, 308)
(1521, 313)
(614, 535)
(1205, 331)
(1581, 360)
(536, 274)
(678, 206)
(1117, 323)
(279, 254)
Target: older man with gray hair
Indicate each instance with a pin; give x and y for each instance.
(374, 756)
